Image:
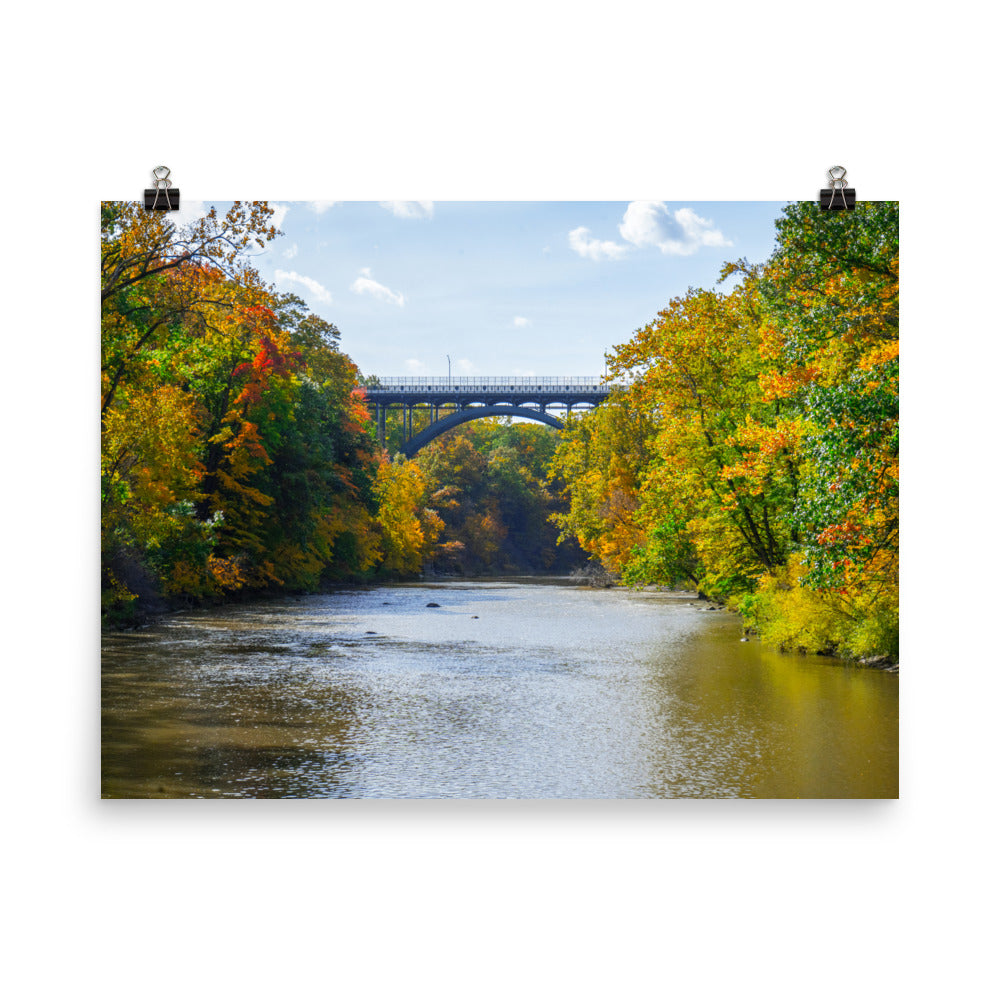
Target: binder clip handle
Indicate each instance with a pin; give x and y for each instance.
(839, 196)
(161, 197)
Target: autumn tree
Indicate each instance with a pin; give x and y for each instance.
(769, 475)
(832, 302)
(724, 468)
(409, 527)
(598, 469)
(488, 483)
(831, 306)
(237, 448)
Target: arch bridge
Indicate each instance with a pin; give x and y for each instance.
(453, 401)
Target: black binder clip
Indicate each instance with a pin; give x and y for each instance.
(162, 197)
(839, 197)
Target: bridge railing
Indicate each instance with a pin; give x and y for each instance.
(490, 383)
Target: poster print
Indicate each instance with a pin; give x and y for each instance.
(499, 500)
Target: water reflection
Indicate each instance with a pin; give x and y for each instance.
(506, 690)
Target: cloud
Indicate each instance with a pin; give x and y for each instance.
(464, 366)
(367, 285)
(189, 212)
(522, 321)
(319, 207)
(280, 211)
(410, 209)
(595, 249)
(681, 233)
(291, 251)
(311, 283)
(415, 367)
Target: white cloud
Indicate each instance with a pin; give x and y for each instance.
(464, 366)
(698, 228)
(410, 209)
(291, 251)
(522, 321)
(650, 223)
(280, 211)
(319, 207)
(311, 283)
(189, 212)
(595, 249)
(415, 367)
(367, 285)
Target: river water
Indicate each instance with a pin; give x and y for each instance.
(506, 690)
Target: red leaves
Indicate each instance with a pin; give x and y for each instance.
(357, 411)
(269, 362)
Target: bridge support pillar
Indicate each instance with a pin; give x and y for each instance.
(380, 418)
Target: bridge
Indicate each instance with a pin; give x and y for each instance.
(472, 397)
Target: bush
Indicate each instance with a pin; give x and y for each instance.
(791, 616)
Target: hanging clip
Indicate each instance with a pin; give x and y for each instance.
(839, 196)
(161, 197)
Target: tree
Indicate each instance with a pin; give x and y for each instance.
(236, 444)
(832, 306)
(140, 250)
(598, 469)
(487, 481)
(724, 469)
(409, 528)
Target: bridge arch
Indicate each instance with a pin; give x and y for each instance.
(411, 447)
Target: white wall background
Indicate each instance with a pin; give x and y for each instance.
(522, 100)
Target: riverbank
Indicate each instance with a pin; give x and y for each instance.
(146, 608)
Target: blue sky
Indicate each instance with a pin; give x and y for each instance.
(504, 288)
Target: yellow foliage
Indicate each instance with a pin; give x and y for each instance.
(860, 620)
(226, 573)
(408, 529)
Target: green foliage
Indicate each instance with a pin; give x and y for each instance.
(487, 481)
(754, 458)
(768, 474)
(596, 469)
(236, 448)
(793, 616)
(668, 557)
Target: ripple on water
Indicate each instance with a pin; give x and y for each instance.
(505, 690)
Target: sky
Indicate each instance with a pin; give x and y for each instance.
(502, 288)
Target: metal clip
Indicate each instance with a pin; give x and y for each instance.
(171, 197)
(838, 190)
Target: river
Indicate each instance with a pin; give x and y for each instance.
(508, 689)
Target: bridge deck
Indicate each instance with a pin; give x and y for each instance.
(515, 390)
(469, 397)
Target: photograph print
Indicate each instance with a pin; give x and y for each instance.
(499, 500)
